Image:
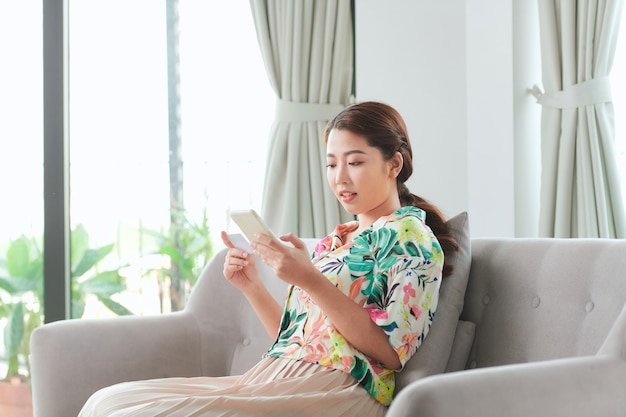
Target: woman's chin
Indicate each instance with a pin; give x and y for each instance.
(350, 208)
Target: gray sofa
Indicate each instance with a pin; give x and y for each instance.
(525, 327)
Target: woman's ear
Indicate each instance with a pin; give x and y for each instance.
(396, 163)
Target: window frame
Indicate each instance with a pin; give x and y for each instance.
(56, 269)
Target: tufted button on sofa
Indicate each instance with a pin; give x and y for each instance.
(524, 327)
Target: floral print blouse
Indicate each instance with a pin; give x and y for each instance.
(393, 270)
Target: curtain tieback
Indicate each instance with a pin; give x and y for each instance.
(586, 93)
(291, 111)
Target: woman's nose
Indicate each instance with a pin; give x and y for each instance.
(341, 175)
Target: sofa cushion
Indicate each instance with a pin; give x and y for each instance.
(432, 356)
(462, 346)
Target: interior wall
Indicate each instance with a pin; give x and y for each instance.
(406, 57)
(527, 117)
(449, 68)
(490, 117)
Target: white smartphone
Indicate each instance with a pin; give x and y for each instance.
(250, 223)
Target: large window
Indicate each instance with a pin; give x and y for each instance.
(169, 112)
(160, 140)
(21, 171)
(21, 106)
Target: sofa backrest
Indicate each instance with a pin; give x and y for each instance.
(538, 298)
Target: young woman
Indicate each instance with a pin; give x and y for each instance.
(357, 309)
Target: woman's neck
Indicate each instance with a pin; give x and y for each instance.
(368, 219)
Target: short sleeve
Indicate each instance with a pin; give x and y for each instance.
(408, 268)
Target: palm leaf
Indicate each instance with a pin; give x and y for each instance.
(14, 330)
(115, 307)
(90, 258)
(18, 257)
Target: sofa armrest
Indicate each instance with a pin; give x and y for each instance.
(72, 359)
(583, 386)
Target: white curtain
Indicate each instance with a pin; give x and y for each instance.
(308, 53)
(580, 189)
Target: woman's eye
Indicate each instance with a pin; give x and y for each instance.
(354, 164)
(330, 165)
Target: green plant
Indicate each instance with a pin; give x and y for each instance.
(102, 284)
(23, 284)
(188, 246)
(21, 280)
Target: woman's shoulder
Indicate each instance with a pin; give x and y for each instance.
(411, 211)
(402, 215)
(407, 224)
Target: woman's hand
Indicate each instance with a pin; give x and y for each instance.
(292, 264)
(240, 267)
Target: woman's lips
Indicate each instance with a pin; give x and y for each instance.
(346, 196)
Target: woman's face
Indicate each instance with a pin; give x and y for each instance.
(361, 179)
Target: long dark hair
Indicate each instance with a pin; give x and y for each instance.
(383, 128)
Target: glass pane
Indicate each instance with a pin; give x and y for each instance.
(21, 182)
(143, 228)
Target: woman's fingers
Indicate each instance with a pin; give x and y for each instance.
(296, 242)
(226, 240)
(236, 259)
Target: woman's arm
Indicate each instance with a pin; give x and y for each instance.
(241, 271)
(266, 308)
(351, 320)
(294, 266)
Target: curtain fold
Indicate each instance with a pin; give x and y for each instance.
(308, 53)
(580, 183)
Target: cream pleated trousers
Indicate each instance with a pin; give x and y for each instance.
(274, 387)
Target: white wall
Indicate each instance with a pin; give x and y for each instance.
(527, 65)
(448, 67)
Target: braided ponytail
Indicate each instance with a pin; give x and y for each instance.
(434, 219)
